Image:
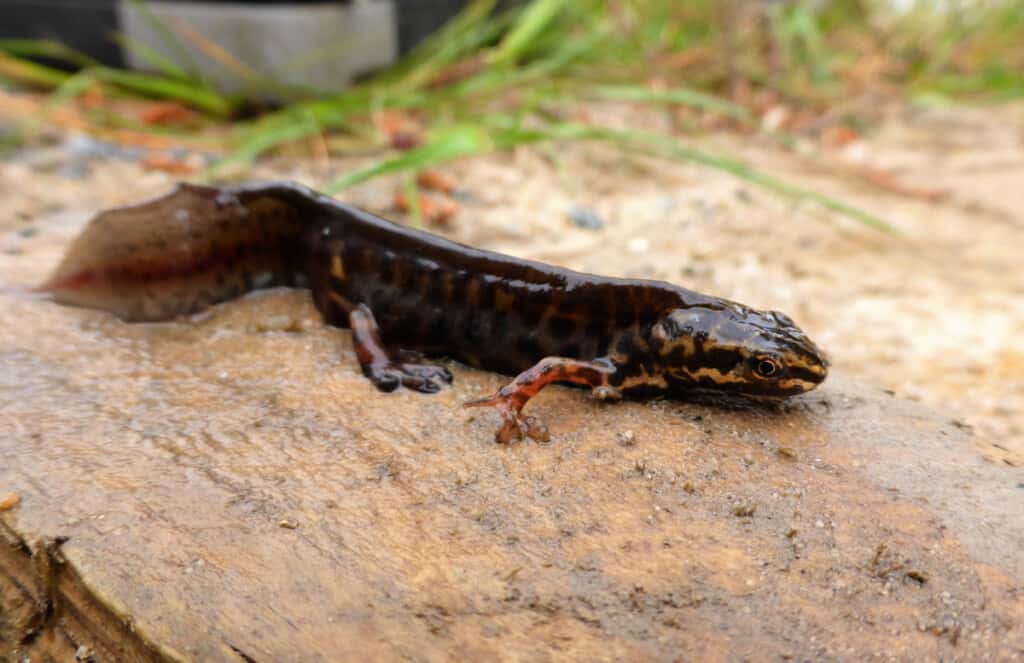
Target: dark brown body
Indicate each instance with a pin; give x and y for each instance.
(402, 289)
(486, 309)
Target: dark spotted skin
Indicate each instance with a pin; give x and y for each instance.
(486, 310)
(406, 293)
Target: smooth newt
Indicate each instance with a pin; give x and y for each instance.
(406, 293)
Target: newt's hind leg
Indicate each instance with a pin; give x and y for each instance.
(510, 399)
(385, 371)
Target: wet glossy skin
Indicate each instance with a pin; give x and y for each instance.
(405, 292)
(733, 348)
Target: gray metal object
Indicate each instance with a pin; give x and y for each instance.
(245, 47)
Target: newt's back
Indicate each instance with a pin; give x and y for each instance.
(484, 308)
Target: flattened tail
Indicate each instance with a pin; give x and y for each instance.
(181, 252)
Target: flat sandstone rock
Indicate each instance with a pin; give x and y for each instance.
(232, 489)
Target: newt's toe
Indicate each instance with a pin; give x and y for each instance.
(514, 426)
(438, 374)
(424, 378)
(383, 380)
(536, 430)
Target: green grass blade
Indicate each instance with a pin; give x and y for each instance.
(452, 143)
(152, 57)
(71, 88)
(194, 94)
(462, 36)
(411, 189)
(668, 147)
(26, 72)
(467, 21)
(265, 139)
(295, 123)
(170, 40)
(661, 145)
(530, 27)
(45, 48)
(676, 95)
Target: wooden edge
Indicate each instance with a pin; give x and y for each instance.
(47, 612)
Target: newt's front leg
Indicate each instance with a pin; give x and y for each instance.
(510, 399)
(385, 371)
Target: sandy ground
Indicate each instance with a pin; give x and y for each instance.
(935, 313)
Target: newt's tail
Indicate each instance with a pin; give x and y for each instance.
(182, 252)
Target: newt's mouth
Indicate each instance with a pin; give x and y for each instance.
(809, 375)
(795, 380)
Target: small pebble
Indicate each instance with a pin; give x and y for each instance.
(277, 323)
(706, 210)
(181, 154)
(638, 245)
(88, 148)
(786, 452)
(627, 438)
(10, 501)
(81, 151)
(75, 169)
(585, 217)
(745, 511)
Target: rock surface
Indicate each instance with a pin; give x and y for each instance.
(231, 488)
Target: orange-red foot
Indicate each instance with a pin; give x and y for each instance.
(515, 425)
(510, 399)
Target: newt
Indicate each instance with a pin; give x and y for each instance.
(407, 294)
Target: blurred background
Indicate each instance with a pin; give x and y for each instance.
(856, 163)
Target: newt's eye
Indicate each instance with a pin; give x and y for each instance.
(767, 367)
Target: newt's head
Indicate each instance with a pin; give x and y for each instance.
(730, 347)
